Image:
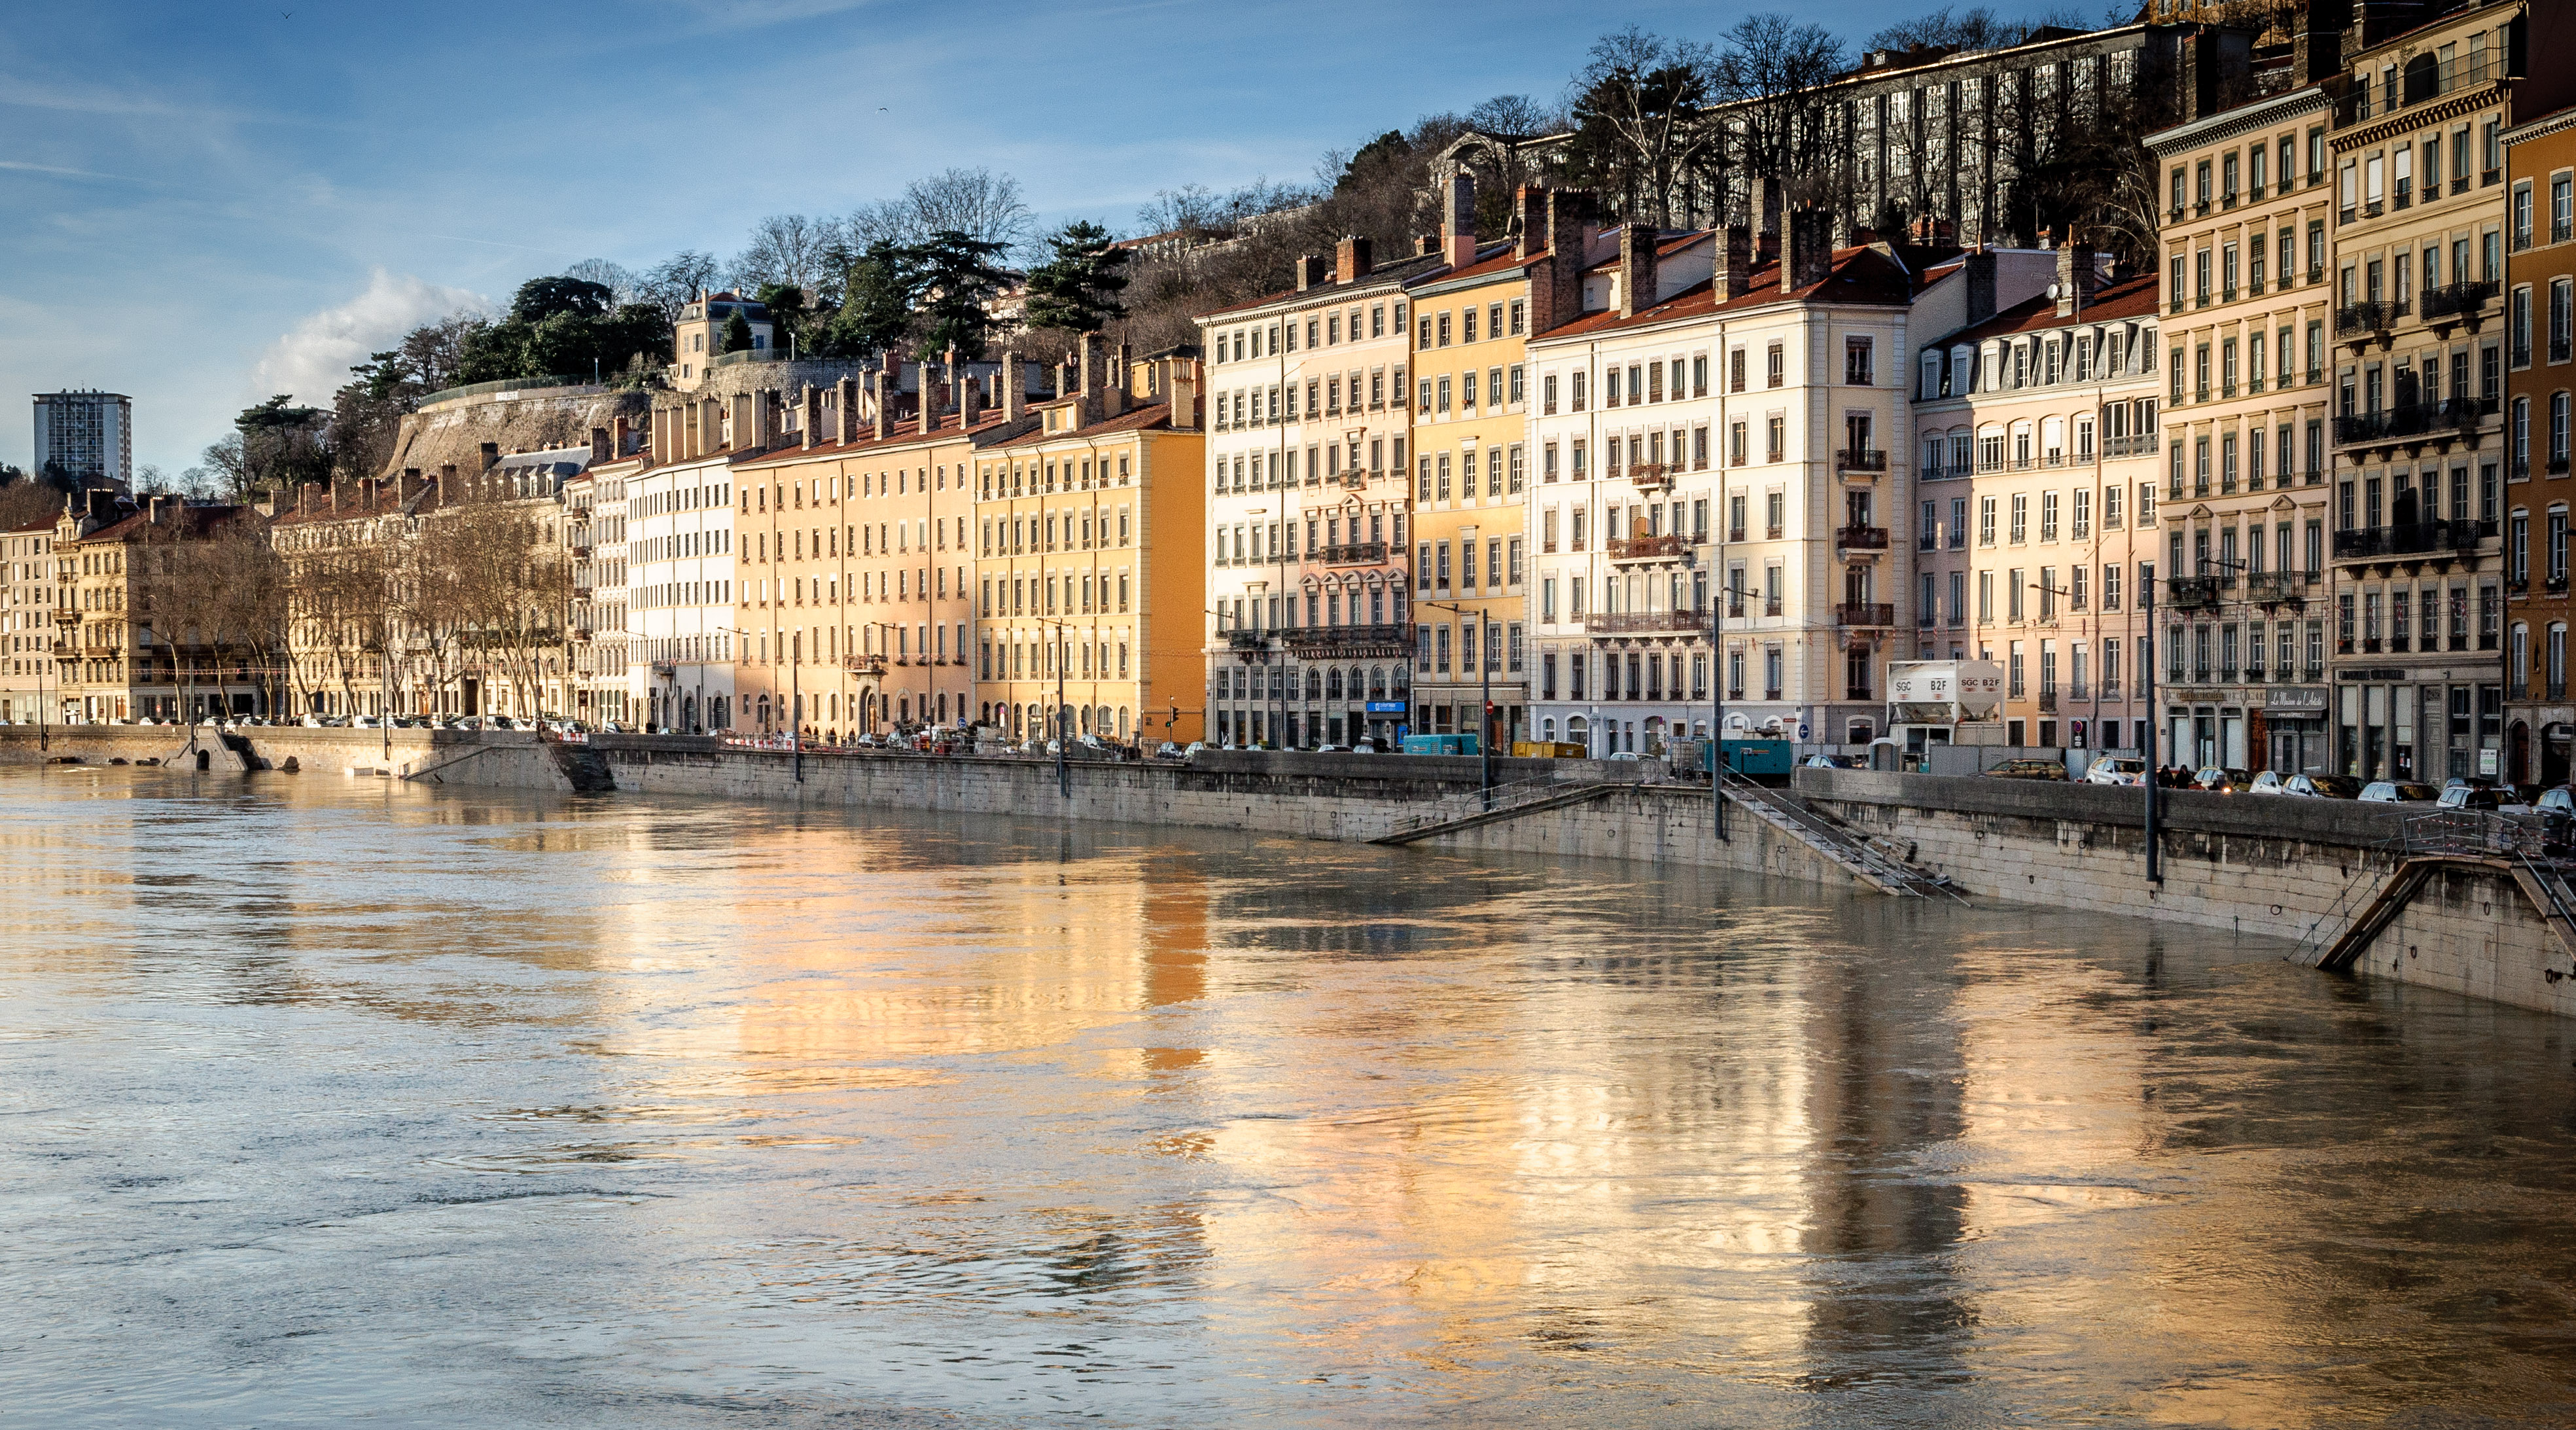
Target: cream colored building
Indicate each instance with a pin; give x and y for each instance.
(28, 679)
(2247, 309)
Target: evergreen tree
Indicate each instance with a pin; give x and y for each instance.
(737, 333)
(1077, 290)
(876, 304)
(956, 278)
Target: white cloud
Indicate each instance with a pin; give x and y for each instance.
(313, 361)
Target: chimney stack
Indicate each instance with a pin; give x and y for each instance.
(970, 400)
(2200, 67)
(1556, 290)
(621, 438)
(1458, 227)
(1530, 202)
(1810, 255)
(1310, 271)
(1637, 275)
(1733, 275)
(845, 410)
(599, 444)
(1015, 388)
(1184, 387)
(1979, 267)
(1351, 261)
(889, 389)
(929, 402)
(2074, 278)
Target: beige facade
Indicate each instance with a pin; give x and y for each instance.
(2035, 541)
(2247, 310)
(28, 678)
(2419, 478)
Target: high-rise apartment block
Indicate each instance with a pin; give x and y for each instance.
(86, 437)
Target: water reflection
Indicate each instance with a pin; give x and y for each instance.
(330, 1099)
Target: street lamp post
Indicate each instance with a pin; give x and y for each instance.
(2147, 682)
(1060, 719)
(1485, 703)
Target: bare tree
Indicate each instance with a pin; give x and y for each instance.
(1771, 73)
(623, 283)
(511, 587)
(790, 249)
(673, 283)
(1515, 116)
(1643, 129)
(243, 614)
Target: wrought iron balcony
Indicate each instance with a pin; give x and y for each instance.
(1645, 623)
(1247, 640)
(1860, 459)
(1328, 639)
(1653, 474)
(2191, 593)
(1864, 613)
(2415, 419)
(2362, 319)
(2048, 702)
(1355, 553)
(864, 664)
(1861, 538)
(2456, 300)
(1649, 548)
(2272, 588)
(2415, 538)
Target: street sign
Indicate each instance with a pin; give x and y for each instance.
(1386, 707)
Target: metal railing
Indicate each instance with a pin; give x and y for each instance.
(1647, 548)
(1355, 553)
(2191, 593)
(1861, 538)
(1627, 623)
(1860, 459)
(1333, 638)
(1864, 613)
(2454, 299)
(2355, 318)
(2407, 540)
(507, 384)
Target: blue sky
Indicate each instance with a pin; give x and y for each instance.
(201, 204)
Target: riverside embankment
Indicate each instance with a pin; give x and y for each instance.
(2304, 870)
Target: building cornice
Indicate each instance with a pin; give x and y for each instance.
(2541, 128)
(2416, 116)
(2243, 119)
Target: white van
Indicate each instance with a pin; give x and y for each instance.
(2115, 770)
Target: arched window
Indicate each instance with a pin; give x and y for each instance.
(1377, 682)
(1333, 684)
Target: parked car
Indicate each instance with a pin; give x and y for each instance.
(1366, 747)
(2115, 770)
(2266, 782)
(1836, 762)
(2214, 779)
(1329, 748)
(2398, 792)
(2487, 799)
(1168, 750)
(2322, 786)
(2031, 769)
(2557, 799)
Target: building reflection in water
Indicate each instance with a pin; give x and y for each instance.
(993, 1115)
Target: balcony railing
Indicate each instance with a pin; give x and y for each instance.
(1247, 640)
(2415, 419)
(1346, 638)
(1652, 474)
(864, 664)
(2191, 593)
(2456, 300)
(2358, 318)
(2415, 538)
(2271, 588)
(1861, 538)
(2142, 444)
(1648, 548)
(2048, 702)
(1355, 553)
(1864, 613)
(1643, 623)
(1860, 459)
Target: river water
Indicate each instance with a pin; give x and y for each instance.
(323, 1101)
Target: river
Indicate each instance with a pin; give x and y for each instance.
(332, 1101)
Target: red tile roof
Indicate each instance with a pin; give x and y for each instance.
(1859, 275)
(2129, 298)
(907, 433)
(1153, 416)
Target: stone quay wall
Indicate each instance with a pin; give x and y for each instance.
(2295, 869)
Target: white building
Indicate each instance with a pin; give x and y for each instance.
(679, 523)
(1720, 453)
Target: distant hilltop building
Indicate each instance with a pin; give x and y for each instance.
(86, 436)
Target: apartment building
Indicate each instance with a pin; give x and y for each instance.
(1804, 362)
(2540, 279)
(698, 336)
(2420, 477)
(343, 546)
(85, 437)
(1471, 477)
(1308, 419)
(595, 542)
(858, 583)
(679, 525)
(126, 638)
(2247, 308)
(27, 680)
(1090, 558)
(2034, 538)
